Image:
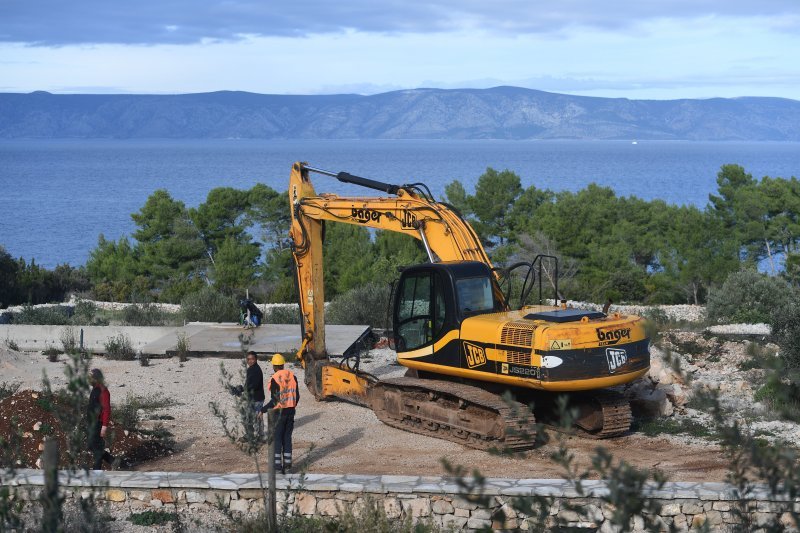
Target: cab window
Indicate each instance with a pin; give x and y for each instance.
(420, 311)
(475, 296)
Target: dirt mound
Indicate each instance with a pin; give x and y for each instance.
(31, 415)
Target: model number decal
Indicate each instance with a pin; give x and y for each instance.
(476, 356)
(525, 371)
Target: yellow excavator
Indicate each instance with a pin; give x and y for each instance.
(454, 331)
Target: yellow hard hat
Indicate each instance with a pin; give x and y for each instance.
(278, 360)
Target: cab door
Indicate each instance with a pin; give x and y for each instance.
(414, 314)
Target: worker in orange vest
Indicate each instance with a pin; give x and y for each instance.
(284, 396)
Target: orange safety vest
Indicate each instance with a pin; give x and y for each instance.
(288, 389)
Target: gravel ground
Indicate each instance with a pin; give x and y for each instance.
(337, 437)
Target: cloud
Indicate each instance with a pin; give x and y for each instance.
(59, 22)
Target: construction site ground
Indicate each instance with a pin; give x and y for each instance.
(337, 437)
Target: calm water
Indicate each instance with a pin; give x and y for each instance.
(57, 196)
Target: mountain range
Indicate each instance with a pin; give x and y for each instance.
(496, 113)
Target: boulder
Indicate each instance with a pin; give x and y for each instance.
(651, 403)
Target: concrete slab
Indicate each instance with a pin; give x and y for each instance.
(32, 337)
(205, 339)
(224, 339)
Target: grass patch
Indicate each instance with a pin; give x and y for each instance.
(674, 426)
(8, 388)
(152, 518)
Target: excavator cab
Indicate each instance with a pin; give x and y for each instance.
(432, 299)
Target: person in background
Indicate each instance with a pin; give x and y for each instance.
(284, 396)
(251, 313)
(254, 382)
(99, 417)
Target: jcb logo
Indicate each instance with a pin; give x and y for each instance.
(475, 355)
(408, 220)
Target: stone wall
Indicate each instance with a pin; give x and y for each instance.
(435, 499)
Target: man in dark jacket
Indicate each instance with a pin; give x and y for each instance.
(98, 417)
(284, 396)
(254, 382)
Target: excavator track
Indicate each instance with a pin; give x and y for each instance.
(453, 411)
(605, 414)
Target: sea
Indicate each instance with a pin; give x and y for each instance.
(58, 196)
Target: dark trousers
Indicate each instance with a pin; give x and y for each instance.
(284, 426)
(97, 445)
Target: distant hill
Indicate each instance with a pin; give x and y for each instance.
(497, 113)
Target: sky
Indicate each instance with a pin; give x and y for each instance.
(647, 49)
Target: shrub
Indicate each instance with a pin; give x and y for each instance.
(208, 305)
(152, 518)
(120, 348)
(182, 347)
(143, 315)
(366, 304)
(782, 398)
(144, 359)
(56, 315)
(282, 314)
(126, 413)
(52, 353)
(748, 296)
(11, 344)
(84, 313)
(69, 341)
(786, 329)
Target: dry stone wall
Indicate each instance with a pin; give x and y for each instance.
(435, 499)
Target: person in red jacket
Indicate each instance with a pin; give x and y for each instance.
(99, 417)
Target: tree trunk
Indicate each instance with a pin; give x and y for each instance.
(271, 508)
(52, 520)
(771, 260)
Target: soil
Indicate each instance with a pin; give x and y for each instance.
(337, 437)
(27, 418)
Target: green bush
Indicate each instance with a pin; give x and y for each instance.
(208, 305)
(144, 315)
(84, 313)
(748, 296)
(781, 397)
(366, 304)
(119, 348)
(786, 330)
(56, 315)
(282, 314)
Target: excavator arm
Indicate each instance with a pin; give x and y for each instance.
(410, 210)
